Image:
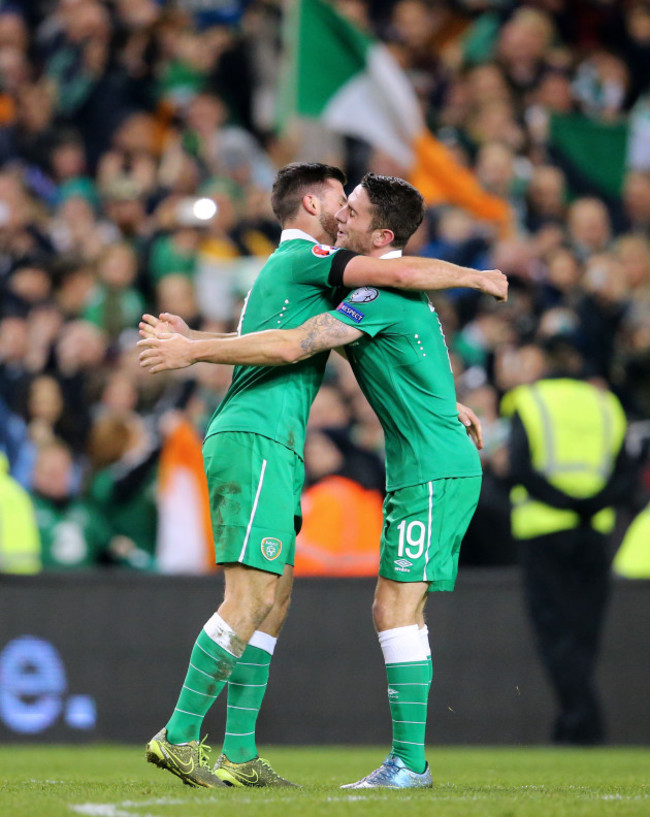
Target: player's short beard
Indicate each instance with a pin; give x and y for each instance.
(356, 242)
(330, 225)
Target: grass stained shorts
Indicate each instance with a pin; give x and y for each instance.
(254, 485)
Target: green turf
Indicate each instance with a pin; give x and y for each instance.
(114, 781)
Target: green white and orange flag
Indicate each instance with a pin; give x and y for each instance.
(339, 74)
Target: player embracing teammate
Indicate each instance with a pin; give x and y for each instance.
(253, 456)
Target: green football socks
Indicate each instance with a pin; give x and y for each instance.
(214, 656)
(246, 688)
(423, 633)
(408, 670)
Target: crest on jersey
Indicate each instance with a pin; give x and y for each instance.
(363, 295)
(323, 250)
(271, 548)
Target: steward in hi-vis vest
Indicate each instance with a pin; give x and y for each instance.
(574, 433)
(568, 467)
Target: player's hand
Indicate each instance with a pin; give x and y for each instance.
(152, 327)
(494, 282)
(472, 424)
(165, 352)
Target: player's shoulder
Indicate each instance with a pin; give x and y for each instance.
(305, 249)
(321, 251)
(398, 301)
(310, 263)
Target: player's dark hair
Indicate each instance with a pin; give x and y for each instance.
(396, 205)
(297, 180)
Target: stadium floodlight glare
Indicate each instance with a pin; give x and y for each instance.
(204, 209)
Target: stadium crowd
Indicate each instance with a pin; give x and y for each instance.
(116, 116)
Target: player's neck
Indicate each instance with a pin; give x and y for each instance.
(312, 227)
(385, 252)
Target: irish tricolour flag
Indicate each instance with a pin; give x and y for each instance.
(350, 82)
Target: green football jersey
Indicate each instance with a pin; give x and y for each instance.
(402, 366)
(131, 513)
(73, 534)
(293, 286)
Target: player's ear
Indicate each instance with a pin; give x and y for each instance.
(383, 238)
(310, 204)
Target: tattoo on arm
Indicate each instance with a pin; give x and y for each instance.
(325, 332)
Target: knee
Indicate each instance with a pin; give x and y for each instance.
(283, 601)
(249, 597)
(382, 614)
(398, 605)
(265, 600)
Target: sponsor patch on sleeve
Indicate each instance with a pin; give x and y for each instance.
(323, 250)
(351, 312)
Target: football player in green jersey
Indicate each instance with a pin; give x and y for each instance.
(253, 453)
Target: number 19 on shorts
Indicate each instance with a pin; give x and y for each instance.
(411, 539)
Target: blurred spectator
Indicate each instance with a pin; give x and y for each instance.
(73, 533)
(45, 412)
(601, 85)
(14, 376)
(602, 310)
(115, 303)
(124, 460)
(20, 549)
(522, 47)
(76, 231)
(15, 445)
(562, 282)
(636, 46)
(488, 541)
(342, 519)
(83, 73)
(589, 227)
(636, 201)
(545, 197)
(225, 150)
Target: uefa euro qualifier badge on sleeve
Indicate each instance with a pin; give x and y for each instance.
(363, 295)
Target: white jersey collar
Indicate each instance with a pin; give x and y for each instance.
(292, 235)
(392, 254)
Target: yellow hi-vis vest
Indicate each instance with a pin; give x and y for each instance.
(20, 544)
(632, 559)
(575, 432)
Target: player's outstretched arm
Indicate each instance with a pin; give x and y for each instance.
(424, 274)
(150, 327)
(275, 347)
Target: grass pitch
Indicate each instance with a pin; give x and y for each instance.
(115, 781)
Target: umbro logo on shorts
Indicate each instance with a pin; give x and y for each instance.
(271, 548)
(403, 565)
